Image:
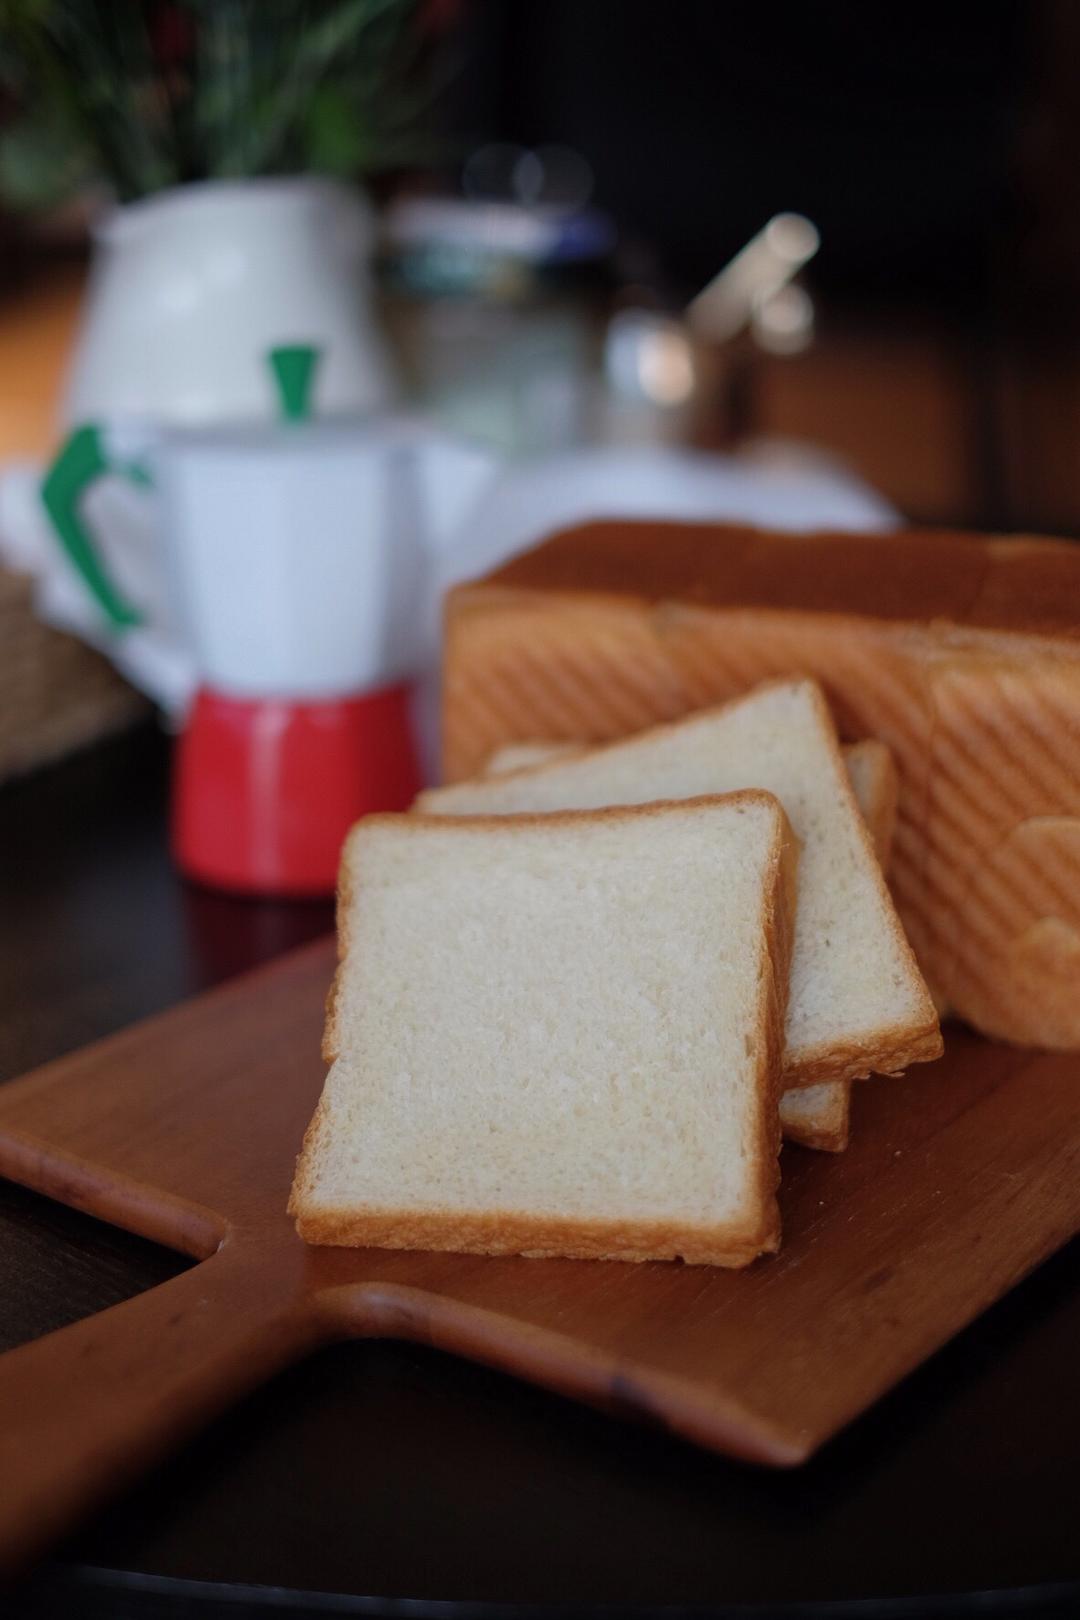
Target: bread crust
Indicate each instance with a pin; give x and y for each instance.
(890, 1051)
(534, 1237)
(331, 1040)
(508, 1232)
(774, 968)
(1018, 585)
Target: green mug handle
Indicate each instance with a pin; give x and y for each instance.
(81, 462)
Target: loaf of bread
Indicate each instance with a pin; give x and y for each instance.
(858, 1003)
(533, 1055)
(962, 654)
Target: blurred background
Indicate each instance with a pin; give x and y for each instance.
(934, 148)
(836, 242)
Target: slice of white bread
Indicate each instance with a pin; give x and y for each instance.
(558, 1035)
(820, 1116)
(875, 781)
(814, 1116)
(523, 756)
(858, 1001)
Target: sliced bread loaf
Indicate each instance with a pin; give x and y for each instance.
(558, 1035)
(858, 1001)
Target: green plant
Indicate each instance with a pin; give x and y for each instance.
(150, 93)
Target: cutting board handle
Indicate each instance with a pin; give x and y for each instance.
(84, 1409)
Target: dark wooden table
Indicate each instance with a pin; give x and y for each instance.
(382, 1472)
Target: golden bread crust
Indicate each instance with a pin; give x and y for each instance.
(536, 1237)
(1016, 585)
(774, 972)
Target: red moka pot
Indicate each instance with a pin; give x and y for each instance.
(299, 559)
(266, 789)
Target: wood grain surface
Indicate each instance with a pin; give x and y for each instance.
(961, 1178)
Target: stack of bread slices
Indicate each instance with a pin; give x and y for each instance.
(580, 998)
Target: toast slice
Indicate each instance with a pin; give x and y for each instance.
(875, 783)
(820, 1116)
(871, 768)
(814, 1116)
(858, 1002)
(558, 1035)
(523, 756)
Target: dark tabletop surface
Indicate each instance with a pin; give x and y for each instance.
(375, 1474)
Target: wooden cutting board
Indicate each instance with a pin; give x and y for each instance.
(961, 1177)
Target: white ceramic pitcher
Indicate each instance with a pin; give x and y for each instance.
(190, 288)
